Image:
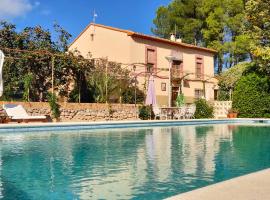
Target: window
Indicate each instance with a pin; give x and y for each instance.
(198, 93)
(186, 83)
(151, 56)
(163, 86)
(177, 68)
(199, 70)
(150, 59)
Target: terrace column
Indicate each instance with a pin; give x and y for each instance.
(170, 59)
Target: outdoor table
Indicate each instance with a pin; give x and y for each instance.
(169, 111)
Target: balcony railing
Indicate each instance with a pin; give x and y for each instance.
(177, 73)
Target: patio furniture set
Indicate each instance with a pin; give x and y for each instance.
(183, 112)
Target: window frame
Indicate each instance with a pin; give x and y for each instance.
(200, 93)
(163, 87)
(154, 63)
(199, 61)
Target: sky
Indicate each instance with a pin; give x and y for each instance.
(75, 15)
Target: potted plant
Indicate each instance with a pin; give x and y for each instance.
(232, 113)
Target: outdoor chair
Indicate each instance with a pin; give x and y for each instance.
(190, 111)
(158, 113)
(17, 113)
(181, 113)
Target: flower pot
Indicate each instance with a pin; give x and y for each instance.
(232, 115)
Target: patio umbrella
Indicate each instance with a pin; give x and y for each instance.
(2, 56)
(151, 94)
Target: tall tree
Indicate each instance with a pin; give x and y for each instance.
(215, 24)
(258, 29)
(183, 17)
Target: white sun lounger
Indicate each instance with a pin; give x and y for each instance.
(19, 114)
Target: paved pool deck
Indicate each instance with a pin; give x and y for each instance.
(255, 186)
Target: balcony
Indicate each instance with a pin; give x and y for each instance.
(176, 73)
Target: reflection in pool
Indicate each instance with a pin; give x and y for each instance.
(147, 163)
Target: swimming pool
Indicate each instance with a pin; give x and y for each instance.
(132, 163)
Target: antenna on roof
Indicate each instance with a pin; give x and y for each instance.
(94, 21)
(94, 16)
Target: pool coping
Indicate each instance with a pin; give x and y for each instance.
(247, 187)
(63, 126)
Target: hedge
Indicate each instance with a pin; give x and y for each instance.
(251, 96)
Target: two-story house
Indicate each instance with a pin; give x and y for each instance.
(176, 66)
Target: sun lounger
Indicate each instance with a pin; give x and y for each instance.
(18, 113)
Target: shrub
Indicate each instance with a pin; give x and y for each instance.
(180, 100)
(251, 96)
(145, 112)
(203, 110)
(54, 105)
(229, 78)
(129, 95)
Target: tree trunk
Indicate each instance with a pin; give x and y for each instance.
(220, 65)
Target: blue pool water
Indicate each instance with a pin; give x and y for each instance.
(147, 163)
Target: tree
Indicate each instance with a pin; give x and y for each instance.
(183, 17)
(224, 31)
(216, 24)
(33, 50)
(258, 28)
(228, 79)
(108, 86)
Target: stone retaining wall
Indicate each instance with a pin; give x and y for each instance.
(83, 111)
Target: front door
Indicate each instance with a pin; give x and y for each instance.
(175, 91)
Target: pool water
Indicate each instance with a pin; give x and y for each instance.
(147, 163)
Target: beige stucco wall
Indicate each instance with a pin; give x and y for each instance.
(118, 46)
(105, 43)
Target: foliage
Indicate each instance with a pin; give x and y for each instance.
(257, 25)
(224, 93)
(229, 78)
(258, 28)
(203, 109)
(129, 95)
(184, 17)
(217, 24)
(251, 96)
(233, 110)
(68, 67)
(116, 80)
(145, 112)
(28, 79)
(180, 100)
(55, 107)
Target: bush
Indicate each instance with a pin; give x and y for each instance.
(180, 100)
(55, 108)
(203, 110)
(251, 96)
(145, 112)
(129, 95)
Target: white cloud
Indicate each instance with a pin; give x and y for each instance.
(15, 8)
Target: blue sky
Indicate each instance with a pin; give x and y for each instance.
(75, 15)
